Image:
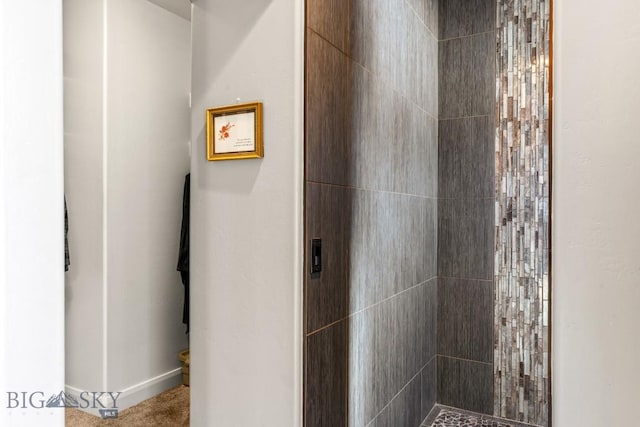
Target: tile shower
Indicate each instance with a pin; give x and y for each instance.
(427, 180)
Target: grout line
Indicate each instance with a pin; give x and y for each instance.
(470, 279)
(400, 391)
(388, 84)
(329, 184)
(379, 78)
(328, 41)
(422, 20)
(468, 35)
(466, 360)
(430, 360)
(478, 116)
(466, 198)
(369, 307)
(434, 412)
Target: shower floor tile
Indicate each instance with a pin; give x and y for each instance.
(443, 416)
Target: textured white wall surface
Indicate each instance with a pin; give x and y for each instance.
(179, 7)
(596, 256)
(246, 343)
(127, 83)
(83, 147)
(148, 116)
(31, 218)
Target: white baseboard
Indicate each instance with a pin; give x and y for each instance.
(137, 393)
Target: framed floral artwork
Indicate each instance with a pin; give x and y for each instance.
(235, 132)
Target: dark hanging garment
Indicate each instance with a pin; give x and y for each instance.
(67, 260)
(183, 255)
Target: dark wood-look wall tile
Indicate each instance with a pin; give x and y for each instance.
(415, 315)
(417, 7)
(428, 321)
(328, 218)
(427, 77)
(326, 100)
(372, 129)
(393, 143)
(465, 319)
(370, 119)
(387, 249)
(466, 175)
(428, 386)
(390, 364)
(481, 74)
(465, 384)
(404, 410)
(327, 375)
(417, 77)
(460, 18)
(465, 238)
(403, 56)
(390, 343)
(431, 237)
(416, 74)
(415, 159)
(431, 16)
(391, 349)
(466, 76)
(362, 380)
(374, 35)
(330, 19)
(451, 79)
(407, 67)
(466, 152)
(368, 262)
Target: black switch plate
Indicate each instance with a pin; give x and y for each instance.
(316, 257)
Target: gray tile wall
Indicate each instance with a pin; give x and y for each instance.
(466, 69)
(465, 319)
(464, 383)
(401, 157)
(371, 196)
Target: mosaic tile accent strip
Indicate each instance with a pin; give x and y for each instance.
(448, 418)
(521, 337)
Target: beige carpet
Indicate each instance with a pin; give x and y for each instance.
(170, 408)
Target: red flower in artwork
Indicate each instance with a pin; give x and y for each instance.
(223, 133)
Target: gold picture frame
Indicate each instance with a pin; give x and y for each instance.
(235, 132)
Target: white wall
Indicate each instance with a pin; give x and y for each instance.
(127, 75)
(31, 218)
(148, 117)
(83, 146)
(179, 7)
(596, 255)
(246, 344)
